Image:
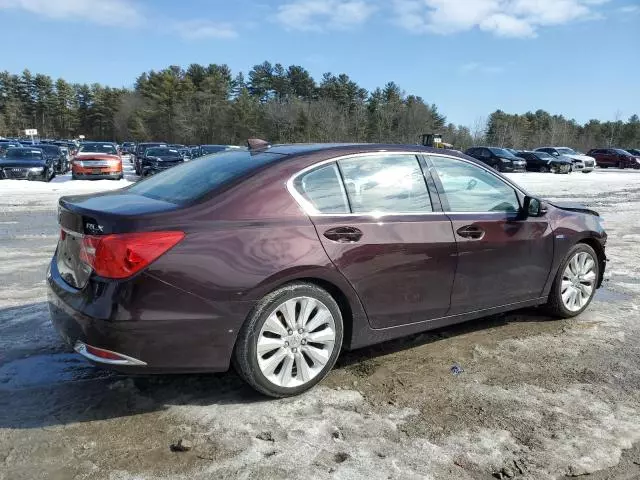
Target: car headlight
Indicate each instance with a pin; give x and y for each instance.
(504, 160)
(36, 169)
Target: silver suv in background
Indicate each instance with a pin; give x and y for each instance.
(581, 162)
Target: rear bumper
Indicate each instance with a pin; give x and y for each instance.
(173, 344)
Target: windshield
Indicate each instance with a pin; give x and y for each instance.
(191, 180)
(502, 152)
(544, 155)
(619, 151)
(161, 152)
(50, 149)
(107, 148)
(24, 153)
(566, 151)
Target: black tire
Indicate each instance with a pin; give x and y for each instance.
(543, 169)
(554, 305)
(245, 356)
(73, 177)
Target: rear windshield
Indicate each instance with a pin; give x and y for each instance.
(191, 180)
(212, 149)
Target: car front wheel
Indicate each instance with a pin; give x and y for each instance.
(575, 282)
(290, 341)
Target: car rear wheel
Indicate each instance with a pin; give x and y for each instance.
(543, 169)
(290, 341)
(575, 282)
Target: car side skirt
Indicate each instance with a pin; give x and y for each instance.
(365, 337)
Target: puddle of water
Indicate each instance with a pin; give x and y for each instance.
(40, 370)
(606, 295)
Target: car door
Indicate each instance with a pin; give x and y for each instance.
(503, 258)
(375, 219)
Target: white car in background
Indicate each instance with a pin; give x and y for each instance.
(581, 162)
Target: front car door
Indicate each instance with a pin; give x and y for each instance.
(375, 218)
(503, 258)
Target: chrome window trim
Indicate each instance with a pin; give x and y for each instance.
(311, 211)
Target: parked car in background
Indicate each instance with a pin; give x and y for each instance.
(614, 157)
(545, 162)
(139, 153)
(185, 153)
(27, 163)
(209, 149)
(634, 151)
(580, 162)
(277, 259)
(128, 148)
(499, 158)
(7, 144)
(59, 157)
(195, 152)
(97, 160)
(159, 159)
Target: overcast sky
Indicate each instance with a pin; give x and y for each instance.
(580, 58)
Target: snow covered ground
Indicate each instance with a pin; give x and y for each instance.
(539, 398)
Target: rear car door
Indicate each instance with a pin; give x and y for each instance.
(502, 258)
(376, 221)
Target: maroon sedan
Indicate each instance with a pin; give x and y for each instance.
(614, 157)
(278, 258)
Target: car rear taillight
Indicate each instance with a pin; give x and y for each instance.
(122, 255)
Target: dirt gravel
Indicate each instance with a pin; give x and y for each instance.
(537, 398)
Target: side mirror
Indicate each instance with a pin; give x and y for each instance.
(533, 207)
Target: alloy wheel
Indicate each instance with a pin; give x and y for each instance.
(578, 281)
(296, 342)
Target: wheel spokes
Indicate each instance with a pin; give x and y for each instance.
(268, 344)
(269, 366)
(274, 325)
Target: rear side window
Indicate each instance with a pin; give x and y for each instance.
(322, 188)
(385, 183)
(191, 180)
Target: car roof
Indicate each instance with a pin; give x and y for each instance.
(347, 148)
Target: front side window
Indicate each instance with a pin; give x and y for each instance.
(385, 183)
(469, 188)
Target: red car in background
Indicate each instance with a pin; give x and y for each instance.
(614, 157)
(97, 160)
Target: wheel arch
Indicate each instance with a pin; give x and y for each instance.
(602, 258)
(355, 320)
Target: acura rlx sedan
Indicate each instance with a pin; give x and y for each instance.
(275, 259)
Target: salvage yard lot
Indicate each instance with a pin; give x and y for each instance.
(538, 398)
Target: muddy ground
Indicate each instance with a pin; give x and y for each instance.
(538, 397)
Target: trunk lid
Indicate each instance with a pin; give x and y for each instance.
(95, 215)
